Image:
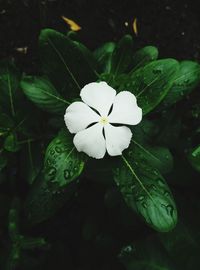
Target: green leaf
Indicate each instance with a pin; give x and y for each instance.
(187, 78)
(88, 56)
(157, 156)
(9, 83)
(151, 83)
(62, 162)
(11, 143)
(145, 131)
(143, 56)
(64, 63)
(121, 56)
(145, 191)
(194, 158)
(43, 94)
(62, 166)
(104, 55)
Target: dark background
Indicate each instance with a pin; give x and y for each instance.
(172, 26)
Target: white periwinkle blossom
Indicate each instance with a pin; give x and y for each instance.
(95, 129)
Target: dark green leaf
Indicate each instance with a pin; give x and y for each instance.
(64, 63)
(143, 56)
(43, 94)
(104, 55)
(88, 55)
(62, 162)
(9, 83)
(11, 143)
(151, 83)
(145, 131)
(170, 128)
(158, 157)
(62, 165)
(194, 158)
(187, 78)
(145, 190)
(121, 56)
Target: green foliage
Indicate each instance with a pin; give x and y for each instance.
(9, 86)
(106, 209)
(151, 83)
(103, 55)
(59, 53)
(43, 94)
(121, 55)
(187, 78)
(145, 190)
(62, 165)
(144, 56)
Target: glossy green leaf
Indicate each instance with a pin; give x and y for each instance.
(151, 83)
(194, 158)
(104, 55)
(64, 63)
(88, 56)
(143, 56)
(145, 191)
(9, 84)
(62, 166)
(121, 56)
(187, 78)
(158, 157)
(43, 94)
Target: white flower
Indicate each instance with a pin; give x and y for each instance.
(95, 132)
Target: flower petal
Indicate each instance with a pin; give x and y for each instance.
(117, 139)
(98, 95)
(91, 141)
(125, 109)
(78, 116)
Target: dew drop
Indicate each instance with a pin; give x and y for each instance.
(58, 149)
(157, 71)
(52, 172)
(170, 209)
(166, 193)
(66, 174)
(144, 205)
(161, 183)
(141, 198)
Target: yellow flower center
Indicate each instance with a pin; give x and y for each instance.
(103, 120)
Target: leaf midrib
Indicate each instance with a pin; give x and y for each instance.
(64, 63)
